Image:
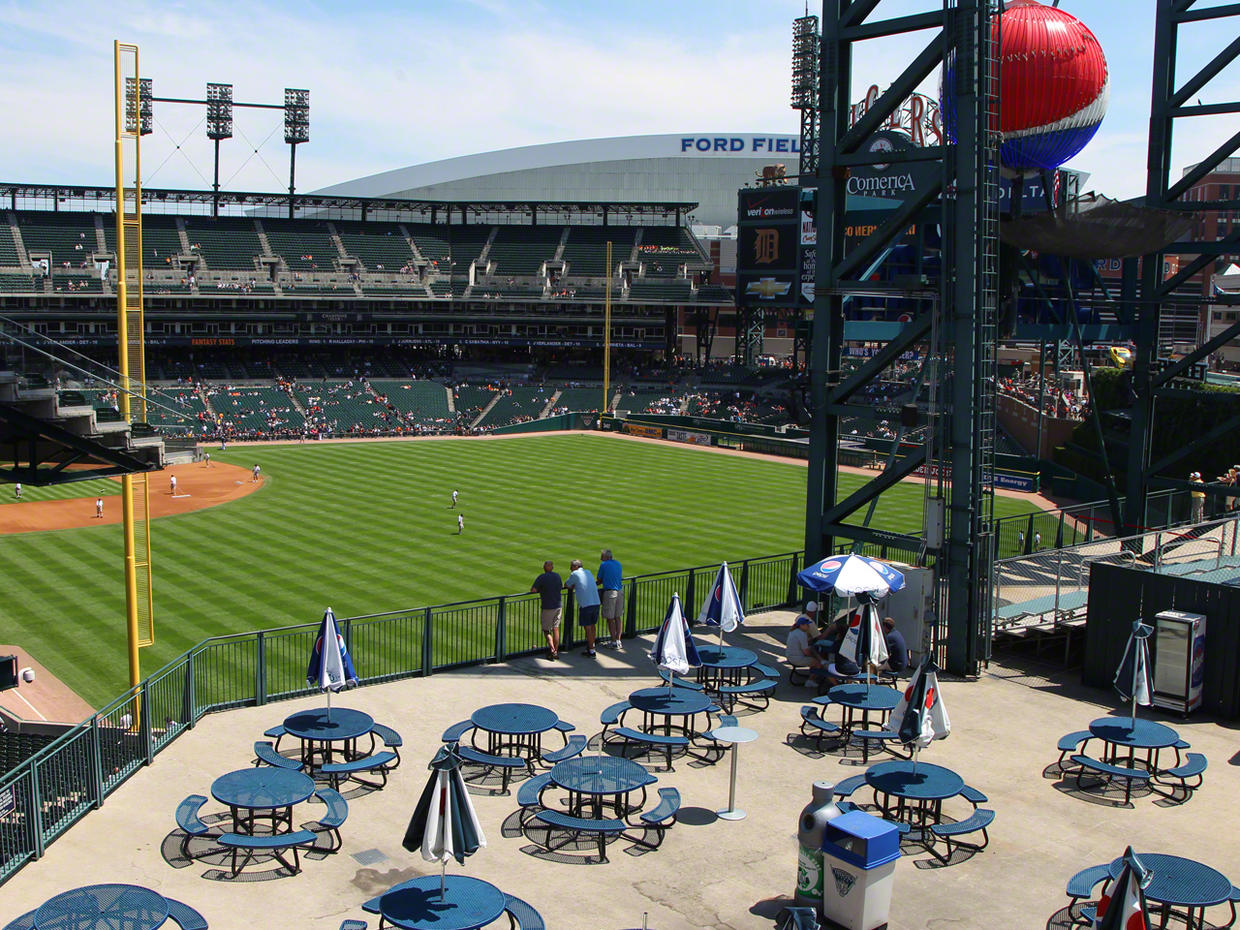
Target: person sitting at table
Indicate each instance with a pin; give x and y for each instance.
(844, 666)
(897, 648)
(800, 653)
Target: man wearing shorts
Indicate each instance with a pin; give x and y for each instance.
(586, 593)
(609, 576)
(172, 484)
(549, 587)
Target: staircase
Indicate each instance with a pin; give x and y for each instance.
(485, 410)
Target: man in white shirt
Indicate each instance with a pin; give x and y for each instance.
(798, 649)
(585, 593)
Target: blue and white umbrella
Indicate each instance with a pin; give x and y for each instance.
(850, 575)
(722, 607)
(1123, 906)
(674, 648)
(1132, 678)
(865, 641)
(920, 717)
(331, 667)
(444, 824)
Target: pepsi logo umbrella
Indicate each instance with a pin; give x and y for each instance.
(1132, 678)
(674, 648)
(1123, 907)
(722, 607)
(921, 717)
(865, 642)
(850, 575)
(331, 667)
(444, 825)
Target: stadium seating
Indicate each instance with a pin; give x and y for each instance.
(378, 246)
(256, 408)
(226, 243)
(304, 248)
(585, 399)
(585, 252)
(714, 293)
(470, 401)
(14, 283)
(517, 403)
(8, 246)
(432, 243)
(160, 239)
(521, 250)
(660, 289)
(668, 247)
(69, 237)
(422, 402)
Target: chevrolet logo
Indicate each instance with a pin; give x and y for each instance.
(768, 288)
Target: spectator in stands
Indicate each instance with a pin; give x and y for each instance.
(800, 652)
(585, 591)
(609, 578)
(549, 588)
(897, 648)
(1198, 495)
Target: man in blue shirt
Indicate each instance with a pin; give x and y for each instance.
(897, 648)
(609, 576)
(548, 586)
(586, 594)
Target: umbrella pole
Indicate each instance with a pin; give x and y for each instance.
(329, 705)
(1136, 649)
(443, 868)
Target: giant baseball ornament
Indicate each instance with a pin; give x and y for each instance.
(1054, 85)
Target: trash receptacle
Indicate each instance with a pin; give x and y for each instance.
(859, 853)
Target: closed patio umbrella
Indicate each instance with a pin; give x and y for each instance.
(865, 642)
(1123, 907)
(331, 666)
(722, 607)
(674, 648)
(921, 716)
(444, 825)
(1132, 678)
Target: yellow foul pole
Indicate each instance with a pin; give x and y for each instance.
(607, 338)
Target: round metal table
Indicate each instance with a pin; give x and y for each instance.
(328, 726)
(666, 703)
(860, 697)
(735, 736)
(265, 788)
(1181, 882)
(109, 906)
(466, 903)
(598, 777)
(924, 784)
(1123, 733)
(723, 665)
(515, 728)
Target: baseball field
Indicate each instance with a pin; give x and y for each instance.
(369, 527)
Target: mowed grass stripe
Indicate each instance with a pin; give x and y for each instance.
(367, 528)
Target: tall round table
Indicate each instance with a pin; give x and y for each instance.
(466, 903)
(327, 726)
(920, 789)
(723, 665)
(514, 729)
(1123, 733)
(264, 789)
(1176, 881)
(735, 736)
(130, 906)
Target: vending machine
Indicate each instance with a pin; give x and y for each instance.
(1179, 660)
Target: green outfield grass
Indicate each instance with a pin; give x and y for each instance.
(367, 527)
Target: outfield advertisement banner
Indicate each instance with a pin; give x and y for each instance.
(686, 435)
(1012, 481)
(650, 432)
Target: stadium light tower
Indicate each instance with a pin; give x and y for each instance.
(805, 55)
(219, 126)
(296, 131)
(139, 114)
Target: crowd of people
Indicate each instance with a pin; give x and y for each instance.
(1055, 401)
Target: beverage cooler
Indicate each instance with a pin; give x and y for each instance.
(1179, 660)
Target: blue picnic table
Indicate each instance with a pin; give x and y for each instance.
(466, 903)
(1179, 882)
(723, 665)
(1124, 733)
(660, 705)
(592, 780)
(919, 790)
(325, 727)
(108, 906)
(514, 729)
(267, 790)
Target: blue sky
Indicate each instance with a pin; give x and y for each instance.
(397, 84)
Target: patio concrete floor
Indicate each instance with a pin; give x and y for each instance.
(709, 872)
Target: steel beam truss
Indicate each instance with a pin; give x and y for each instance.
(1168, 101)
(956, 323)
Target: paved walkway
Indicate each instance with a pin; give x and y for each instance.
(709, 872)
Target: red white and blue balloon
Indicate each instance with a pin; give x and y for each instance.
(1054, 85)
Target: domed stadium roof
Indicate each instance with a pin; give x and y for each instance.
(702, 168)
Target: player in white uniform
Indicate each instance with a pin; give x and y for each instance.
(460, 524)
(454, 498)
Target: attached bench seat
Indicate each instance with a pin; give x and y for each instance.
(334, 817)
(575, 826)
(980, 819)
(1081, 887)
(186, 916)
(189, 822)
(868, 738)
(276, 844)
(391, 740)
(613, 715)
(529, 795)
(686, 683)
(380, 762)
(265, 754)
(652, 740)
(276, 733)
(762, 690)
(454, 733)
(506, 764)
(811, 718)
(1071, 743)
(522, 916)
(1110, 772)
(850, 784)
(661, 817)
(1193, 767)
(575, 746)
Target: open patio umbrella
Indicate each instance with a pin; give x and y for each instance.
(674, 648)
(865, 642)
(1132, 678)
(331, 667)
(444, 825)
(850, 575)
(921, 716)
(1123, 907)
(722, 607)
